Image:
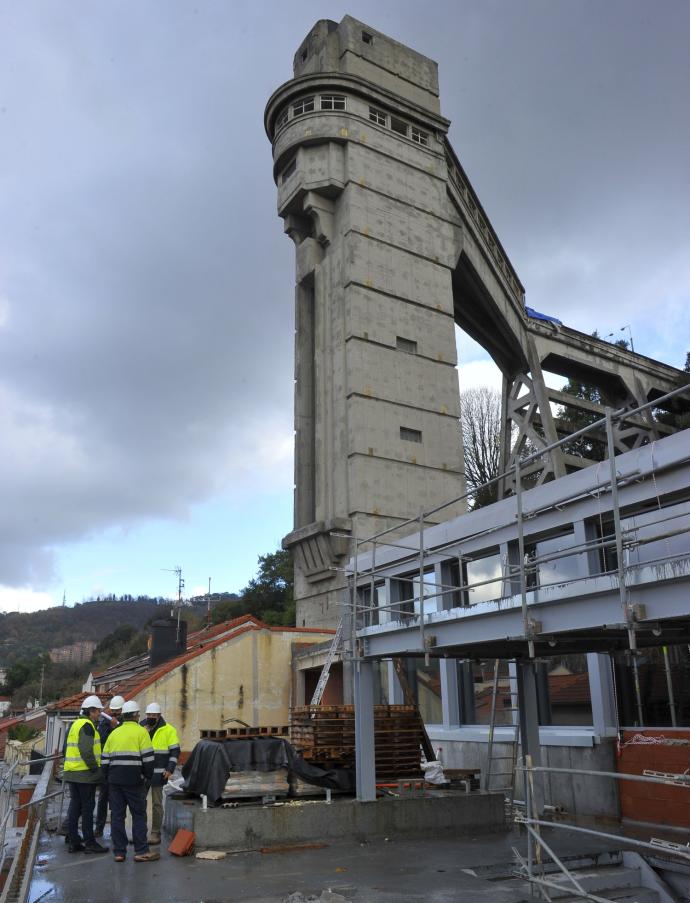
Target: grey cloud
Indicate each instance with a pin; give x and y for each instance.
(148, 348)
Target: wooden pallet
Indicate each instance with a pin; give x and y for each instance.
(326, 734)
(240, 733)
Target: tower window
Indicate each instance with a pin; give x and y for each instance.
(410, 435)
(419, 136)
(332, 102)
(288, 171)
(305, 105)
(282, 120)
(305, 54)
(377, 116)
(397, 125)
(407, 345)
(367, 37)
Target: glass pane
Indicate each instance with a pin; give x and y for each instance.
(425, 684)
(428, 593)
(483, 675)
(568, 691)
(488, 573)
(655, 671)
(558, 569)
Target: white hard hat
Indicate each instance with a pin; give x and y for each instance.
(130, 706)
(116, 702)
(92, 702)
(153, 709)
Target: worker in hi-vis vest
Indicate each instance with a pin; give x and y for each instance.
(83, 773)
(166, 749)
(128, 767)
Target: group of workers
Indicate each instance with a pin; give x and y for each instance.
(127, 759)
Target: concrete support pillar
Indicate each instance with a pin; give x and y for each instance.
(529, 728)
(450, 697)
(602, 693)
(364, 731)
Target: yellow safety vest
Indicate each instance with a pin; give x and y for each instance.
(73, 759)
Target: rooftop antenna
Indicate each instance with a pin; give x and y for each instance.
(64, 598)
(180, 587)
(208, 605)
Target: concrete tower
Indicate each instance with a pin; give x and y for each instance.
(361, 170)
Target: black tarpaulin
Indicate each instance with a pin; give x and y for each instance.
(207, 769)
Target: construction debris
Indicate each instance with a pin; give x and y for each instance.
(213, 855)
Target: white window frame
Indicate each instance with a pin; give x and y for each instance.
(378, 116)
(304, 105)
(333, 102)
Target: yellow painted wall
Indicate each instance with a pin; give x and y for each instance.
(247, 677)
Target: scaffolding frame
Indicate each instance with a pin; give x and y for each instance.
(620, 538)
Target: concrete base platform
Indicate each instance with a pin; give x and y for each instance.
(437, 814)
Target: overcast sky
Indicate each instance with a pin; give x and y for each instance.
(146, 286)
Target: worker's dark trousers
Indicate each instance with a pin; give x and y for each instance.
(102, 807)
(81, 803)
(120, 796)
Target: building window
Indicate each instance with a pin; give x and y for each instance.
(397, 125)
(369, 611)
(410, 435)
(483, 578)
(377, 116)
(419, 136)
(407, 345)
(282, 120)
(305, 54)
(663, 676)
(563, 690)
(367, 38)
(332, 102)
(483, 686)
(305, 105)
(288, 171)
(424, 682)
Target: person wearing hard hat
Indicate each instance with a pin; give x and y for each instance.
(107, 723)
(128, 768)
(166, 749)
(82, 772)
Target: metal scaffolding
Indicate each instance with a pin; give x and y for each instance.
(372, 562)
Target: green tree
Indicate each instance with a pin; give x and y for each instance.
(269, 595)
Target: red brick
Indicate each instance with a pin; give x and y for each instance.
(182, 843)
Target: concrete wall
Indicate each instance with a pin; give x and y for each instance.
(247, 677)
(376, 243)
(577, 794)
(437, 815)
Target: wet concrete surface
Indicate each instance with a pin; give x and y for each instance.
(422, 871)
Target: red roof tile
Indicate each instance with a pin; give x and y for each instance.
(197, 643)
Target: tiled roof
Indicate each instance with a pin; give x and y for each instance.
(132, 676)
(7, 723)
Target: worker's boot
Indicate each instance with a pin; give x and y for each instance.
(148, 857)
(154, 838)
(95, 847)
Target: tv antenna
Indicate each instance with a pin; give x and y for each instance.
(180, 587)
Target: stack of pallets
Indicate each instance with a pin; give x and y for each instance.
(241, 733)
(325, 735)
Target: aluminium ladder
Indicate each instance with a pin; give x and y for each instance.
(513, 742)
(326, 670)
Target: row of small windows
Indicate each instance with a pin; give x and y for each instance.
(308, 105)
(398, 125)
(335, 102)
